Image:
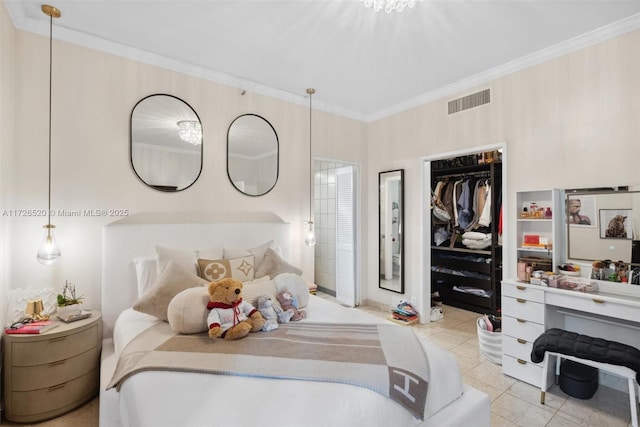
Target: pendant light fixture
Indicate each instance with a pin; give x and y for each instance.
(310, 239)
(49, 251)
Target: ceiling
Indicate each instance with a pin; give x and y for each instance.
(363, 64)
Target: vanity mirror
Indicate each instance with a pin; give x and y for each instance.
(252, 155)
(390, 232)
(603, 224)
(165, 142)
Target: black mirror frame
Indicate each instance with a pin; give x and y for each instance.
(277, 155)
(400, 232)
(164, 189)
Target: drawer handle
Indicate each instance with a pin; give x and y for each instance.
(598, 301)
(521, 341)
(522, 362)
(58, 339)
(521, 301)
(59, 362)
(521, 288)
(521, 320)
(57, 387)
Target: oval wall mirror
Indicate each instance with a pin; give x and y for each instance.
(166, 143)
(391, 240)
(252, 155)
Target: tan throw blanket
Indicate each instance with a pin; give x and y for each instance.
(385, 358)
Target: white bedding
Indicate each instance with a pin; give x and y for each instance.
(198, 391)
(165, 398)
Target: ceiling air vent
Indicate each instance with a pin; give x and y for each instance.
(469, 101)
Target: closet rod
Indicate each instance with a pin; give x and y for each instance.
(483, 174)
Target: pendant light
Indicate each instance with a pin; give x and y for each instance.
(49, 251)
(310, 239)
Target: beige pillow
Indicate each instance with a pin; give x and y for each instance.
(257, 251)
(252, 291)
(241, 269)
(273, 264)
(187, 312)
(173, 280)
(164, 255)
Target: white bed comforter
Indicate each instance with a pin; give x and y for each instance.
(189, 399)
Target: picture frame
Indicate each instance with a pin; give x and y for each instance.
(586, 214)
(616, 224)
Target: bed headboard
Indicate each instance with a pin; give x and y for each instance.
(137, 235)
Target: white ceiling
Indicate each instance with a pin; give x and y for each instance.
(363, 64)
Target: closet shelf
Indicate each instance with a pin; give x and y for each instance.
(465, 250)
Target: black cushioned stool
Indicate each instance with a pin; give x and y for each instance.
(578, 380)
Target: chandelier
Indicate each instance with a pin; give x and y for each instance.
(190, 131)
(389, 5)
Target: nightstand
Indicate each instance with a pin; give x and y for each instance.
(48, 374)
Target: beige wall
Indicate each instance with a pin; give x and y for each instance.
(567, 123)
(93, 94)
(570, 122)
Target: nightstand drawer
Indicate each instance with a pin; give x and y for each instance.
(522, 329)
(26, 378)
(52, 349)
(53, 398)
(523, 309)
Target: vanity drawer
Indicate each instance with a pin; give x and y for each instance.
(517, 347)
(53, 348)
(523, 329)
(523, 309)
(521, 291)
(595, 305)
(523, 370)
(25, 378)
(56, 397)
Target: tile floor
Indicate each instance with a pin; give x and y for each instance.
(513, 403)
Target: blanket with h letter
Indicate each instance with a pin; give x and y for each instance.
(387, 359)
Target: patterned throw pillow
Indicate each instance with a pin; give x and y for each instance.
(237, 268)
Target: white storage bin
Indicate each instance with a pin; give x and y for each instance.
(490, 345)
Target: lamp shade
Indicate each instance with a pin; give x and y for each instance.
(49, 251)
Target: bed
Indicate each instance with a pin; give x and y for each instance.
(170, 397)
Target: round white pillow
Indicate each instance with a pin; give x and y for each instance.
(187, 311)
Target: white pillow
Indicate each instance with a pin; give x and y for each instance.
(294, 284)
(251, 291)
(187, 259)
(146, 273)
(187, 312)
(258, 252)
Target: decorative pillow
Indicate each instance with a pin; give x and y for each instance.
(211, 253)
(173, 280)
(187, 312)
(252, 291)
(188, 259)
(241, 269)
(146, 273)
(273, 264)
(257, 251)
(294, 284)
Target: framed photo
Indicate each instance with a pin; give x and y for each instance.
(580, 211)
(616, 224)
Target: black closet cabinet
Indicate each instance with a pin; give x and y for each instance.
(456, 267)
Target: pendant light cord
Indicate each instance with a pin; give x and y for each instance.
(310, 161)
(50, 91)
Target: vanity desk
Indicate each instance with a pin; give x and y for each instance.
(611, 313)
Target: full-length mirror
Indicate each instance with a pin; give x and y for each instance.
(252, 155)
(166, 142)
(390, 232)
(603, 225)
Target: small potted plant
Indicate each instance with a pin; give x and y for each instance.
(68, 301)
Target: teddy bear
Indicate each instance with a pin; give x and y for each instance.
(265, 307)
(289, 302)
(230, 317)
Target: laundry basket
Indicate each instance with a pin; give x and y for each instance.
(490, 343)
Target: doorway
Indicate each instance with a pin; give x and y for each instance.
(336, 257)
